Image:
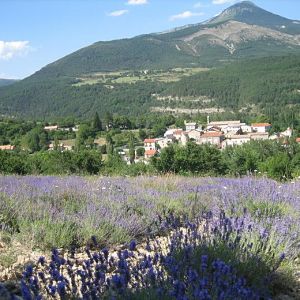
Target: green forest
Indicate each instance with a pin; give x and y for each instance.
(266, 88)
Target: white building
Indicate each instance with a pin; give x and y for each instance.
(163, 142)
(190, 126)
(261, 127)
(75, 128)
(150, 144)
(214, 138)
(236, 140)
(177, 134)
(225, 125)
(51, 128)
(184, 138)
(171, 131)
(194, 135)
(287, 133)
(60, 147)
(259, 136)
(233, 128)
(246, 128)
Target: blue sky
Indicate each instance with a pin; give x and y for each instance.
(34, 33)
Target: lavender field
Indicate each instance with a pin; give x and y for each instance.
(184, 238)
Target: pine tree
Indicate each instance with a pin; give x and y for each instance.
(131, 149)
(109, 145)
(56, 143)
(96, 124)
(108, 120)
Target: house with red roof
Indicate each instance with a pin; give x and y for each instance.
(261, 127)
(150, 153)
(150, 144)
(150, 148)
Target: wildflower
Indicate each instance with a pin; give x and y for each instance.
(26, 294)
(132, 245)
(204, 261)
(94, 240)
(105, 253)
(41, 260)
(28, 271)
(282, 256)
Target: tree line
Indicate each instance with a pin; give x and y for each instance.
(274, 159)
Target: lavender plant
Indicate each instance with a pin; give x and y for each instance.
(171, 268)
(246, 227)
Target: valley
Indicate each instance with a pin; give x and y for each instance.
(163, 165)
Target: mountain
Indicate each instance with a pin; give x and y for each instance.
(248, 12)
(243, 31)
(5, 82)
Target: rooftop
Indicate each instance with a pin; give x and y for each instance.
(179, 131)
(224, 122)
(150, 152)
(149, 141)
(212, 134)
(260, 124)
(239, 136)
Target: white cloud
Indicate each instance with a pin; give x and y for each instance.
(200, 5)
(8, 50)
(217, 2)
(118, 13)
(185, 15)
(137, 2)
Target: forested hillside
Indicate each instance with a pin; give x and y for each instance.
(89, 79)
(59, 97)
(270, 85)
(5, 82)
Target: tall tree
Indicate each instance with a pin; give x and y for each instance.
(131, 149)
(32, 141)
(110, 144)
(56, 143)
(82, 136)
(96, 124)
(108, 120)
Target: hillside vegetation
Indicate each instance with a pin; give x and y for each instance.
(263, 85)
(260, 86)
(121, 76)
(5, 82)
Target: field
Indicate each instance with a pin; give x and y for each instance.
(111, 78)
(149, 238)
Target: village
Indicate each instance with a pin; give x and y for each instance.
(221, 134)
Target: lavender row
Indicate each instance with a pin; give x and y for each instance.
(67, 211)
(214, 257)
